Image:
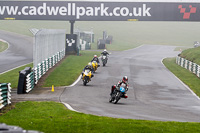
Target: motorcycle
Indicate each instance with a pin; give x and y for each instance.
(104, 59)
(87, 75)
(94, 65)
(117, 94)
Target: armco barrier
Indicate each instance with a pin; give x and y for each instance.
(5, 95)
(193, 67)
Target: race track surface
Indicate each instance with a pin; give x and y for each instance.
(20, 51)
(154, 92)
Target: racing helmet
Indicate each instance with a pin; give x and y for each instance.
(125, 79)
(90, 64)
(95, 56)
(105, 50)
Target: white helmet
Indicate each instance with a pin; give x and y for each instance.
(89, 64)
(105, 50)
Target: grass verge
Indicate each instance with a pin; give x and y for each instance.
(69, 70)
(190, 79)
(65, 74)
(3, 46)
(51, 117)
(13, 76)
(192, 54)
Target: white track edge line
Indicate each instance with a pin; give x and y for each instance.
(15, 68)
(66, 104)
(75, 82)
(5, 42)
(181, 81)
(69, 107)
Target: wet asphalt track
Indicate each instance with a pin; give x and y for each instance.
(154, 92)
(20, 51)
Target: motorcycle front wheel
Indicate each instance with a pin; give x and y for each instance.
(110, 99)
(117, 97)
(85, 81)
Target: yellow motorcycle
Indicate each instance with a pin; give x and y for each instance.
(87, 75)
(94, 65)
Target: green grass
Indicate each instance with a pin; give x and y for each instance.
(184, 75)
(3, 46)
(13, 76)
(63, 75)
(51, 117)
(192, 54)
(125, 34)
(69, 70)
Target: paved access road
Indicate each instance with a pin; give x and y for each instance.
(154, 92)
(20, 51)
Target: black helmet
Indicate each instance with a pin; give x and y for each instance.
(125, 79)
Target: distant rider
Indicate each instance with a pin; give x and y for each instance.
(123, 82)
(95, 58)
(89, 67)
(105, 53)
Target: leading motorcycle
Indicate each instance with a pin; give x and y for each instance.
(117, 94)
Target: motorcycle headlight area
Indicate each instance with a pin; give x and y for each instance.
(86, 72)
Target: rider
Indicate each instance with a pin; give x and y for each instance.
(89, 67)
(105, 53)
(95, 58)
(123, 81)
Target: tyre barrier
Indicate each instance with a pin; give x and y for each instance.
(5, 95)
(28, 77)
(22, 82)
(14, 129)
(29, 82)
(43, 67)
(191, 66)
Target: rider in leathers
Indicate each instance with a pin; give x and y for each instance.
(105, 53)
(95, 58)
(89, 66)
(123, 81)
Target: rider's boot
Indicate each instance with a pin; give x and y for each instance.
(125, 96)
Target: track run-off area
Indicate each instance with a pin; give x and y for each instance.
(154, 92)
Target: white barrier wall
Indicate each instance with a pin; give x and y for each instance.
(47, 42)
